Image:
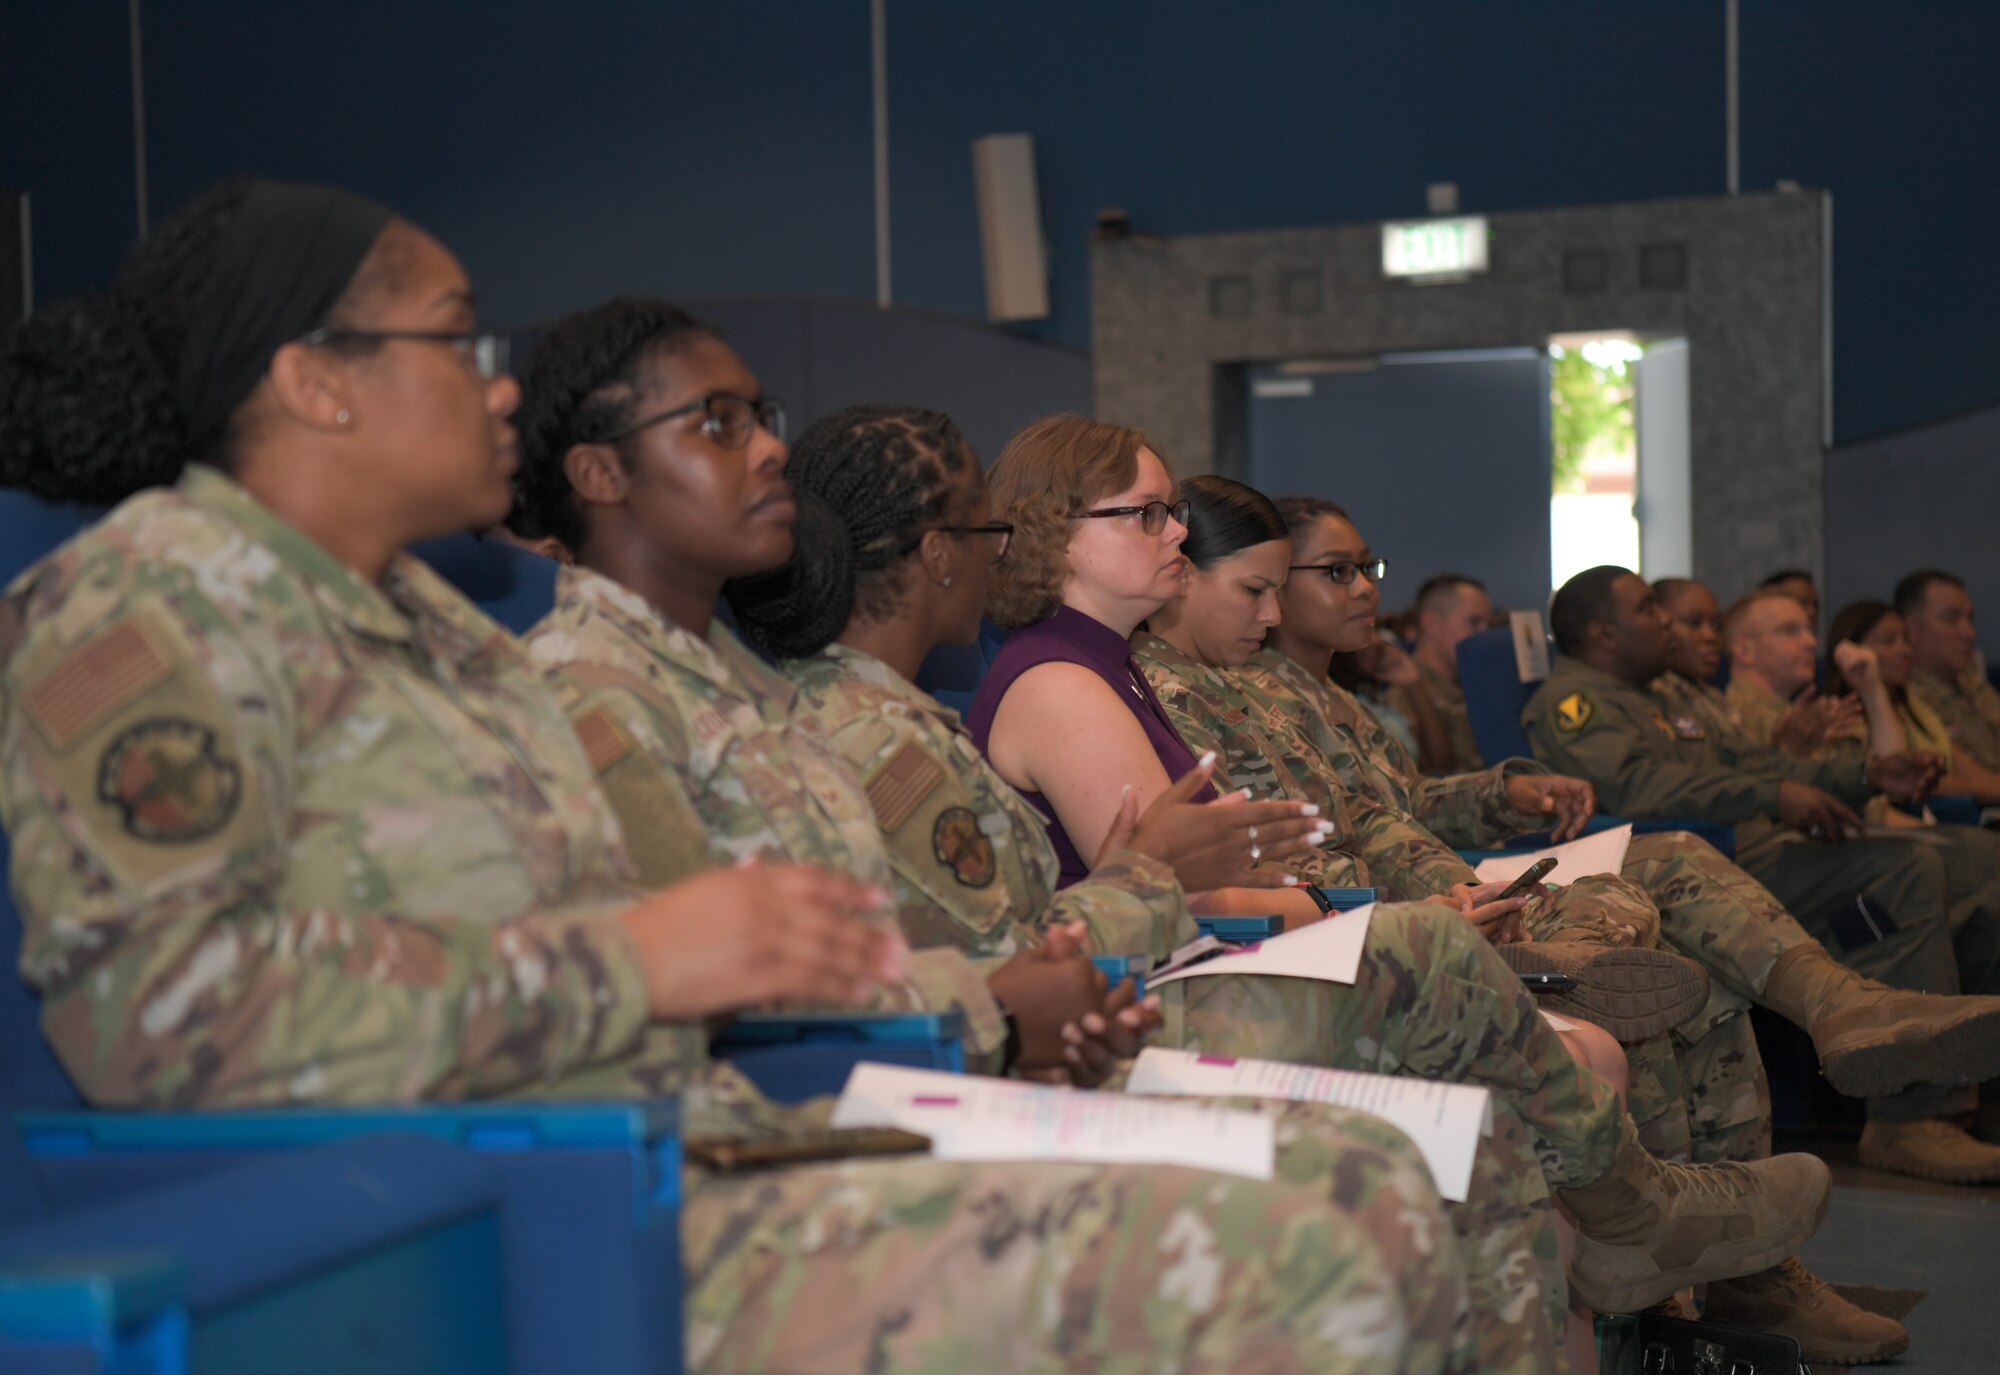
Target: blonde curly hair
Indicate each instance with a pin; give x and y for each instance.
(1049, 473)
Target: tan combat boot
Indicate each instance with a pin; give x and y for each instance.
(1790, 1301)
(1646, 1229)
(1874, 1040)
(1929, 1149)
(1633, 994)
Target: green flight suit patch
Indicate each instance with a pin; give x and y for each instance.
(1573, 713)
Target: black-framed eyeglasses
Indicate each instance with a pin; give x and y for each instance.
(486, 352)
(1001, 532)
(1152, 516)
(728, 419)
(1345, 571)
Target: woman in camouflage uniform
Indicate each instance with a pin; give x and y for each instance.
(292, 822)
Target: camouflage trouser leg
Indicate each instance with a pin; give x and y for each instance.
(1728, 1097)
(1715, 914)
(916, 1265)
(1430, 1000)
(1504, 1232)
(1658, 1098)
(1601, 909)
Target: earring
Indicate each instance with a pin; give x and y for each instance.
(340, 416)
(947, 580)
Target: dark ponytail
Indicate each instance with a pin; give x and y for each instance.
(87, 408)
(870, 480)
(1226, 517)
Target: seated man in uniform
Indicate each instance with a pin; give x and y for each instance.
(1449, 607)
(1656, 743)
(1937, 610)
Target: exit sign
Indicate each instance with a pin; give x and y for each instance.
(1438, 250)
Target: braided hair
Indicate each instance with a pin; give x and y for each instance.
(581, 383)
(87, 408)
(869, 481)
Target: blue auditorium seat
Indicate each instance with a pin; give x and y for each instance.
(380, 1253)
(1494, 698)
(510, 584)
(951, 673)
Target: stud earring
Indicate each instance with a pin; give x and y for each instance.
(947, 580)
(340, 416)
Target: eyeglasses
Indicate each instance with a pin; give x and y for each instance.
(1344, 572)
(1001, 528)
(730, 420)
(486, 352)
(1152, 516)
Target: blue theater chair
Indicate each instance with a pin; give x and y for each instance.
(1494, 697)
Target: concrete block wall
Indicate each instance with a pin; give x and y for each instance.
(1753, 307)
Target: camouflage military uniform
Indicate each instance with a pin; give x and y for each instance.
(1970, 709)
(1971, 856)
(987, 894)
(279, 836)
(1708, 1091)
(1448, 697)
(1265, 733)
(1675, 749)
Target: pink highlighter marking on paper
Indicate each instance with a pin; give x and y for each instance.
(1224, 1060)
(933, 1101)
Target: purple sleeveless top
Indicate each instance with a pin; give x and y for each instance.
(1071, 637)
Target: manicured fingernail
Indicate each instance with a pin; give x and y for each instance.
(1310, 809)
(1207, 758)
(1290, 880)
(1126, 789)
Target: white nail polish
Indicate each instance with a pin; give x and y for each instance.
(1310, 809)
(1207, 757)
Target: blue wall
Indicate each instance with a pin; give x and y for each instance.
(571, 151)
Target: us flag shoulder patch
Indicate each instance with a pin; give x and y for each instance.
(903, 783)
(604, 740)
(103, 675)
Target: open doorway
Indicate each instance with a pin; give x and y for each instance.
(1620, 461)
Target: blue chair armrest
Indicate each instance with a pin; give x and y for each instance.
(796, 1056)
(88, 1298)
(1117, 969)
(379, 1251)
(1956, 810)
(1242, 930)
(590, 1202)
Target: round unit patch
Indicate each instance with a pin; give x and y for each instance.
(168, 782)
(957, 841)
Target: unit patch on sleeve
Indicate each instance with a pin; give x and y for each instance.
(958, 842)
(905, 781)
(1573, 713)
(169, 781)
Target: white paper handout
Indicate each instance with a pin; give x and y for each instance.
(1328, 949)
(971, 1117)
(1600, 853)
(1444, 1121)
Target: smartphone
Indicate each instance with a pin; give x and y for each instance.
(729, 1154)
(1531, 876)
(1547, 981)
